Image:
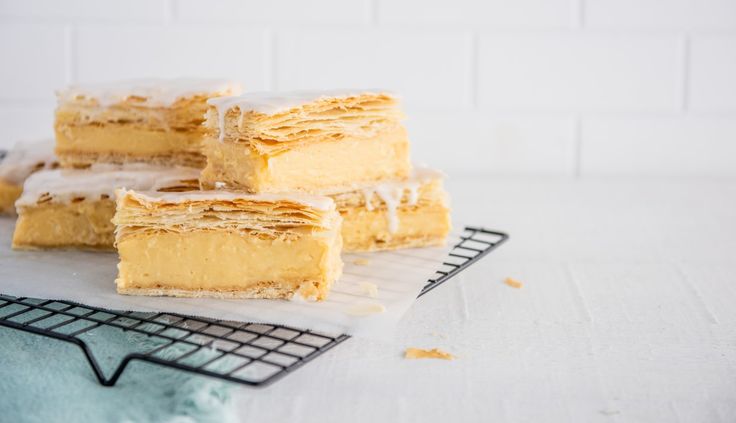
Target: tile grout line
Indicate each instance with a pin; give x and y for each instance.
(169, 12)
(70, 54)
(580, 18)
(577, 146)
(474, 70)
(686, 51)
(373, 12)
(271, 60)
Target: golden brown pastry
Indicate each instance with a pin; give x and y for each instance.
(73, 208)
(396, 214)
(227, 245)
(304, 141)
(156, 121)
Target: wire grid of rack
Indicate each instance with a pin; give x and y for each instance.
(245, 353)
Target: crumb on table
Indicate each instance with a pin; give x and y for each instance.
(433, 353)
(369, 289)
(361, 261)
(513, 283)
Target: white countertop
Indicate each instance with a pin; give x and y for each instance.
(628, 313)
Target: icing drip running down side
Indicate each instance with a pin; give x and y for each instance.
(152, 92)
(392, 192)
(270, 103)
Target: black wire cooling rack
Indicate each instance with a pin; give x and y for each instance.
(245, 353)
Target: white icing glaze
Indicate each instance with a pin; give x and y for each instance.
(156, 92)
(269, 102)
(313, 201)
(391, 192)
(25, 158)
(64, 185)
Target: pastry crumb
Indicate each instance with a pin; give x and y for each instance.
(361, 262)
(369, 289)
(513, 283)
(433, 353)
(366, 309)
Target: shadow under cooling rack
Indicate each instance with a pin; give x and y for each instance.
(245, 353)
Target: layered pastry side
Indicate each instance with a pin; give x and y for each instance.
(407, 213)
(157, 121)
(18, 164)
(304, 141)
(227, 245)
(73, 208)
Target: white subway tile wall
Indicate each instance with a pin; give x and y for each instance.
(525, 87)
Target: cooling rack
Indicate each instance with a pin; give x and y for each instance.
(244, 353)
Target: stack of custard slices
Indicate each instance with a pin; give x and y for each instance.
(208, 193)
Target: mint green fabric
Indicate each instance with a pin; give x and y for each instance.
(45, 380)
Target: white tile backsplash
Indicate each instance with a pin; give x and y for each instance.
(275, 12)
(659, 146)
(713, 73)
(428, 69)
(574, 71)
(106, 53)
(489, 13)
(33, 61)
(566, 87)
(661, 14)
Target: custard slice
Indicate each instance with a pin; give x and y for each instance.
(73, 208)
(304, 141)
(227, 245)
(156, 121)
(408, 213)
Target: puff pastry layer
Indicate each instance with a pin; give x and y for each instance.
(73, 208)
(304, 141)
(398, 214)
(227, 245)
(152, 121)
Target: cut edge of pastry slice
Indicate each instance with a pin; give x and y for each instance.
(305, 140)
(73, 208)
(156, 121)
(227, 245)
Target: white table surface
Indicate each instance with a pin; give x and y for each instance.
(627, 314)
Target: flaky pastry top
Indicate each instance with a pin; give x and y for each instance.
(274, 215)
(274, 122)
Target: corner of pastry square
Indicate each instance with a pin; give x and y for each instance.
(227, 244)
(305, 140)
(157, 121)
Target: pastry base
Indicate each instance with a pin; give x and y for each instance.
(84, 225)
(8, 194)
(310, 167)
(419, 226)
(227, 264)
(81, 146)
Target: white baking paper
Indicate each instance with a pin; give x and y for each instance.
(88, 278)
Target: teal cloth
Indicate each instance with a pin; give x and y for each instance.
(46, 380)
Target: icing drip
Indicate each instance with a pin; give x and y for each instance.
(413, 188)
(391, 196)
(25, 158)
(392, 192)
(368, 195)
(151, 92)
